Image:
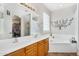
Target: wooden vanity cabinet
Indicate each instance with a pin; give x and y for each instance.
(31, 50)
(43, 47)
(20, 52)
(46, 47)
(37, 49)
(40, 48)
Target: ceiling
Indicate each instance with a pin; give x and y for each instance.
(56, 6)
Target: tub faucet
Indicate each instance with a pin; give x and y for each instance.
(73, 40)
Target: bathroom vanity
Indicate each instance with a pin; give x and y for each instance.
(25, 46)
(20, 22)
(36, 49)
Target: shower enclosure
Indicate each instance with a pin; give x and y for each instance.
(64, 30)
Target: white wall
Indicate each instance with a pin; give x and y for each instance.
(40, 8)
(62, 14)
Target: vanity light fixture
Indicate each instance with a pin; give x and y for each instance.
(29, 7)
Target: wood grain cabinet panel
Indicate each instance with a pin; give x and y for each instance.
(40, 48)
(46, 44)
(20, 52)
(31, 50)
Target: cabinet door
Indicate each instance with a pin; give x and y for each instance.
(40, 48)
(19, 52)
(31, 50)
(46, 44)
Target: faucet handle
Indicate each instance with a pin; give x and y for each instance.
(73, 38)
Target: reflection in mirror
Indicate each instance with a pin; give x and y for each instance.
(16, 26)
(27, 25)
(34, 25)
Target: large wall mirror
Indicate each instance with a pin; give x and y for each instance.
(15, 21)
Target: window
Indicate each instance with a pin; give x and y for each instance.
(46, 21)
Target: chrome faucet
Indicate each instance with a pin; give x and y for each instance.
(73, 40)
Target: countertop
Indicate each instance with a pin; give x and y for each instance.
(7, 46)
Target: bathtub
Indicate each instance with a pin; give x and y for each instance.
(61, 43)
